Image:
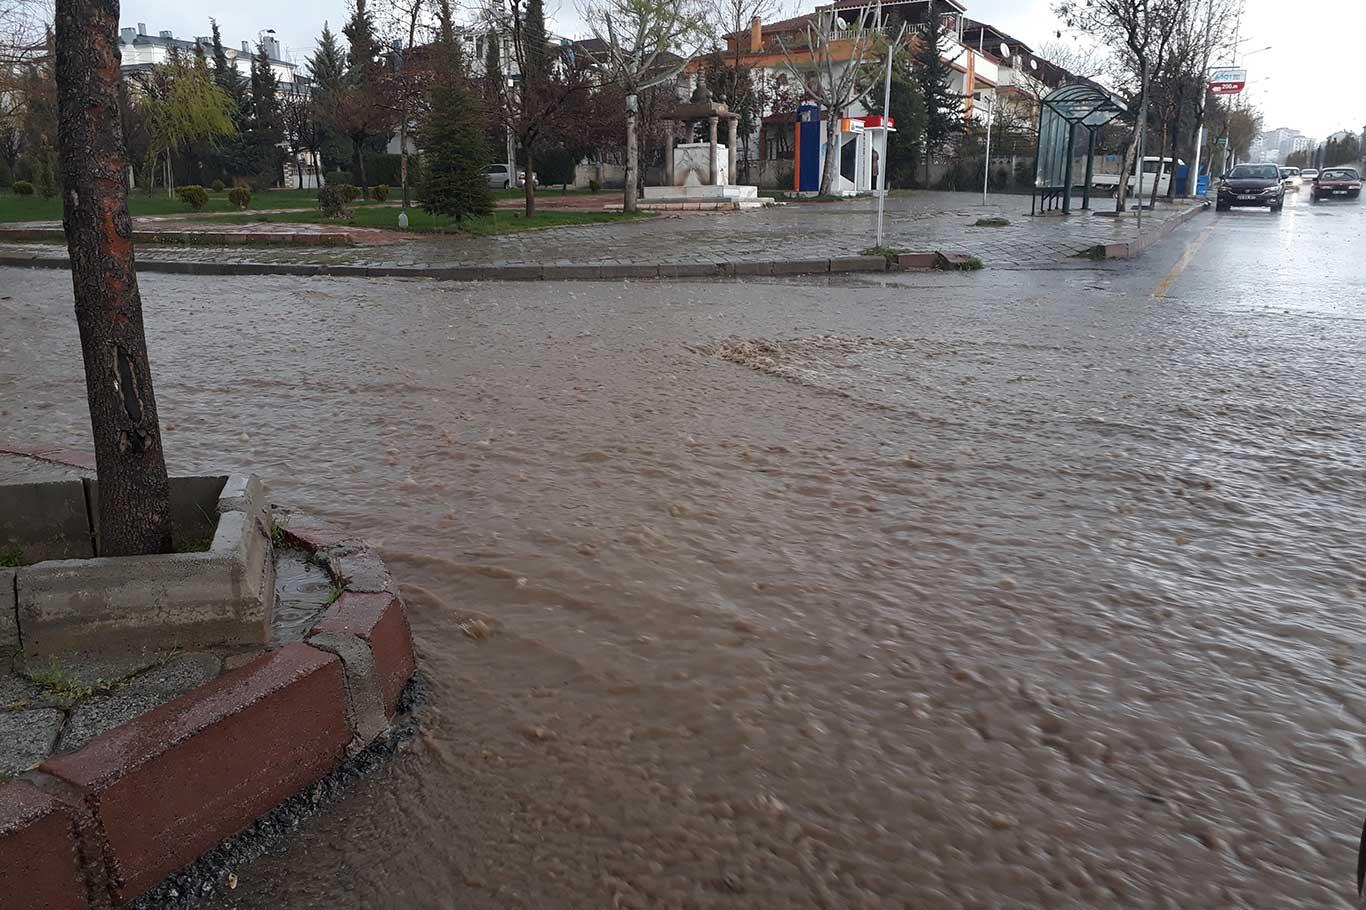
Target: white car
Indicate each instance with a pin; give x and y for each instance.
(499, 177)
(1154, 168)
(1307, 174)
(1290, 176)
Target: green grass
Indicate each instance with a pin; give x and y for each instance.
(12, 559)
(36, 208)
(501, 222)
(541, 191)
(886, 252)
(993, 221)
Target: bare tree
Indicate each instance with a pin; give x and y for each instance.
(1141, 31)
(135, 498)
(544, 92)
(406, 78)
(838, 82)
(648, 42)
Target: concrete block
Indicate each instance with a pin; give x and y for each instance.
(194, 507)
(222, 596)
(687, 270)
(745, 268)
(799, 266)
(379, 620)
(359, 568)
(514, 273)
(9, 618)
(562, 272)
(40, 863)
(169, 785)
(630, 271)
(365, 707)
(915, 261)
(858, 264)
(41, 521)
(26, 738)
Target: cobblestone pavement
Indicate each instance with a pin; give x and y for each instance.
(919, 221)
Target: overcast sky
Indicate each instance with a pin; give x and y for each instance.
(1309, 80)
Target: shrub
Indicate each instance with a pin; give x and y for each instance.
(240, 196)
(380, 191)
(6, 178)
(348, 192)
(336, 178)
(218, 186)
(594, 186)
(196, 197)
(23, 188)
(332, 200)
(46, 174)
(388, 169)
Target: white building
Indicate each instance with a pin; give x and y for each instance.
(140, 51)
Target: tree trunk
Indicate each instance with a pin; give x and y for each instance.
(630, 192)
(529, 184)
(403, 151)
(135, 498)
(358, 166)
(832, 156)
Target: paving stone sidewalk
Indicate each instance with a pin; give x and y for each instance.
(919, 221)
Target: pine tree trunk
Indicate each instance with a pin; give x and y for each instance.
(135, 509)
(529, 185)
(630, 200)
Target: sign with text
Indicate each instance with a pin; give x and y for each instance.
(1227, 80)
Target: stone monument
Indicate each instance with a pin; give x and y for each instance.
(698, 173)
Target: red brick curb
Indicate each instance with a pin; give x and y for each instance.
(101, 826)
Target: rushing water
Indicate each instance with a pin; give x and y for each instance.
(964, 594)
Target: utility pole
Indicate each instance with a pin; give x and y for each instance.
(886, 124)
(986, 166)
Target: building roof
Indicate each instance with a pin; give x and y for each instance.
(187, 47)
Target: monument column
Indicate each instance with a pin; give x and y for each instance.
(711, 154)
(669, 155)
(730, 150)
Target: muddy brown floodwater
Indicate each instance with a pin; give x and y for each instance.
(981, 592)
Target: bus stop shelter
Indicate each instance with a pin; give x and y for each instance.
(1074, 106)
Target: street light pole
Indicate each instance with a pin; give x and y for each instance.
(886, 125)
(986, 166)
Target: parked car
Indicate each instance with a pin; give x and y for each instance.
(1251, 184)
(1290, 176)
(1151, 166)
(1336, 183)
(1307, 174)
(499, 177)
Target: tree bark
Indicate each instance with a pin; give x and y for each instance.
(135, 507)
(630, 192)
(832, 156)
(529, 184)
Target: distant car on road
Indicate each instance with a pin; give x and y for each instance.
(1336, 183)
(500, 178)
(1307, 174)
(1251, 185)
(1290, 176)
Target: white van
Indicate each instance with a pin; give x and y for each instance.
(1109, 183)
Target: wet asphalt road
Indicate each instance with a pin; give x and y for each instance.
(1006, 589)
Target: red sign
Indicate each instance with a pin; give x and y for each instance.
(1227, 80)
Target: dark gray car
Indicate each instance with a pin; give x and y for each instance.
(1251, 184)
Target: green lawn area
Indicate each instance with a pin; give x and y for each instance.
(542, 190)
(36, 208)
(504, 221)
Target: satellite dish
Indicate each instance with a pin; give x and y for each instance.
(1033, 64)
(1005, 50)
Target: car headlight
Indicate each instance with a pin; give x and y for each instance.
(1271, 190)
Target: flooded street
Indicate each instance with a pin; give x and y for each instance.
(934, 591)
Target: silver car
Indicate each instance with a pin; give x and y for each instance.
(500, 178)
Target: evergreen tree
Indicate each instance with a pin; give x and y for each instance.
(943, 106)
(535, 40)
(491, 87)
(360, 110)
(906, 145)
(327, 66)
(264, 130)
(454, 155)
(224, 73)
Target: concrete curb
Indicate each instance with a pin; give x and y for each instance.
(100, 826)
(1132, 249)
(584, 272)
(193, 238)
